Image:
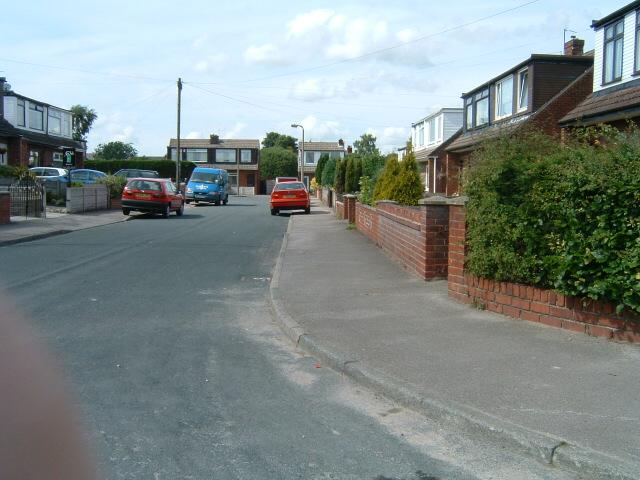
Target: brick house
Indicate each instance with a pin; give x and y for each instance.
(535, 93)
(616, 83)
(312, 153)
(34, 133)
(429, 138)
(241, 158)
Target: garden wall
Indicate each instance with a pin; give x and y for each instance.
(530, 303)
(87, 198)
(417, 237)
(5, 208)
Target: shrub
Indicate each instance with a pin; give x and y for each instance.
(386, 181)
(372, 165)
(324, 158)
(408, 188)
(350, 182)
(278, 162)
(338, 178)
(8, 171)
(114, 184)
(563, 217)
(366, 191)
(328, 173)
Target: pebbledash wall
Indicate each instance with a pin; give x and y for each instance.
(529, 303)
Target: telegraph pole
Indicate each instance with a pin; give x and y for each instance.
(178, 152)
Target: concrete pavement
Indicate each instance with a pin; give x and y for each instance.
(25, 230)
(561, 397)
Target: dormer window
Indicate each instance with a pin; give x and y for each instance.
(504, 97)
(21, 113)
(523, 90)
(613, 41)
(477, 109)
(636, 67)
(36, 117)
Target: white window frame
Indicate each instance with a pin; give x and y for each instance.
(21, 104)
(57, 159)
(500, 91)
(521, 107)
(421, 135)
(34, 107)
(617, 42)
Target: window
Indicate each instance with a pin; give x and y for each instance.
(57, 159)
(226, 155)
(613, 40)
(66, 124)
(482, 108)
(523, 90)
(504, 97)
(54, 122)
(636, 67)
(21, 113)
(34, 158)
(432, 131)
(36, 117)
(245, 156)
(421, 135)
(195, 155)
(335, 155)
(251, 180)
(468, 113)
(3, 153)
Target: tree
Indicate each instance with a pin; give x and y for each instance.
(338, 178)
(386, 180)
(408, 186)
(83, 118)
(329, 172)
(372, 165)
(324, 158)
(115, 151)
(366, 145)
(275, 139)
(278, 162)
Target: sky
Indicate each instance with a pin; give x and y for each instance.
(339, 68)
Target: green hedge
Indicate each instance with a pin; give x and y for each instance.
(166, 168)
(559, 216)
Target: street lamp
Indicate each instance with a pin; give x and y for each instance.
(295, 125)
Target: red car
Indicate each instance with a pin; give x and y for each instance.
(290, 196)
(155, 195)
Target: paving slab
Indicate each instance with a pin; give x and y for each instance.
(561, 396)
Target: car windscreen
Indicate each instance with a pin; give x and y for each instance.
(289, 186)
(204, 177)
(149, 174)
(142, 185)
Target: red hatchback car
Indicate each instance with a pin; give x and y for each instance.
(155, 195)
(290, 196)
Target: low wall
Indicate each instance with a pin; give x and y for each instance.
(87, 198)
(414, 236)
(340, 210)
(529, 303)
(5, 208)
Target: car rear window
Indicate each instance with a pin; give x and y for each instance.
(289, 186)
(143, 185)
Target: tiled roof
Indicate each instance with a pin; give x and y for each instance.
(222, 143)
(323, 146)
(599, 103)
(7, 129)
(473, 137)
(435, 151)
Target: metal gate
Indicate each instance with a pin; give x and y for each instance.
(28, 198)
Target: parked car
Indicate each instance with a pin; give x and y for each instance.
(86, 176)
(290, 196)
(208, 185)
(136, 173)
(51, 174)
(155, 195)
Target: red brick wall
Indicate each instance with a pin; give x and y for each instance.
(417, 237)
(340, 210)
(5, 208)
(530, 303)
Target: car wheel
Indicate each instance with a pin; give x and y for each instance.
(126, 211)
(226, 200)
(166, 211)
(189, 201)
(307, 210)
(217, 202)
(180, 211)
(274, 211)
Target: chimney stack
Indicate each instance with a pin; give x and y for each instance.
(574, 47)
(349, 150)
(214, 139)
(341, 142)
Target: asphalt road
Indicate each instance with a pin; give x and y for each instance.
(163, 329)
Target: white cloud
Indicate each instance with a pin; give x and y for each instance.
(317, 130)
(110, 128)
(237, 128)
(318, 89)
(212, 63)
(193, 135)
(407, 35)
(267, 54)
(201, 66)
(314, 19)
(200, 41)
(390, 138)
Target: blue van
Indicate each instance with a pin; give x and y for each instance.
(208, 185)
